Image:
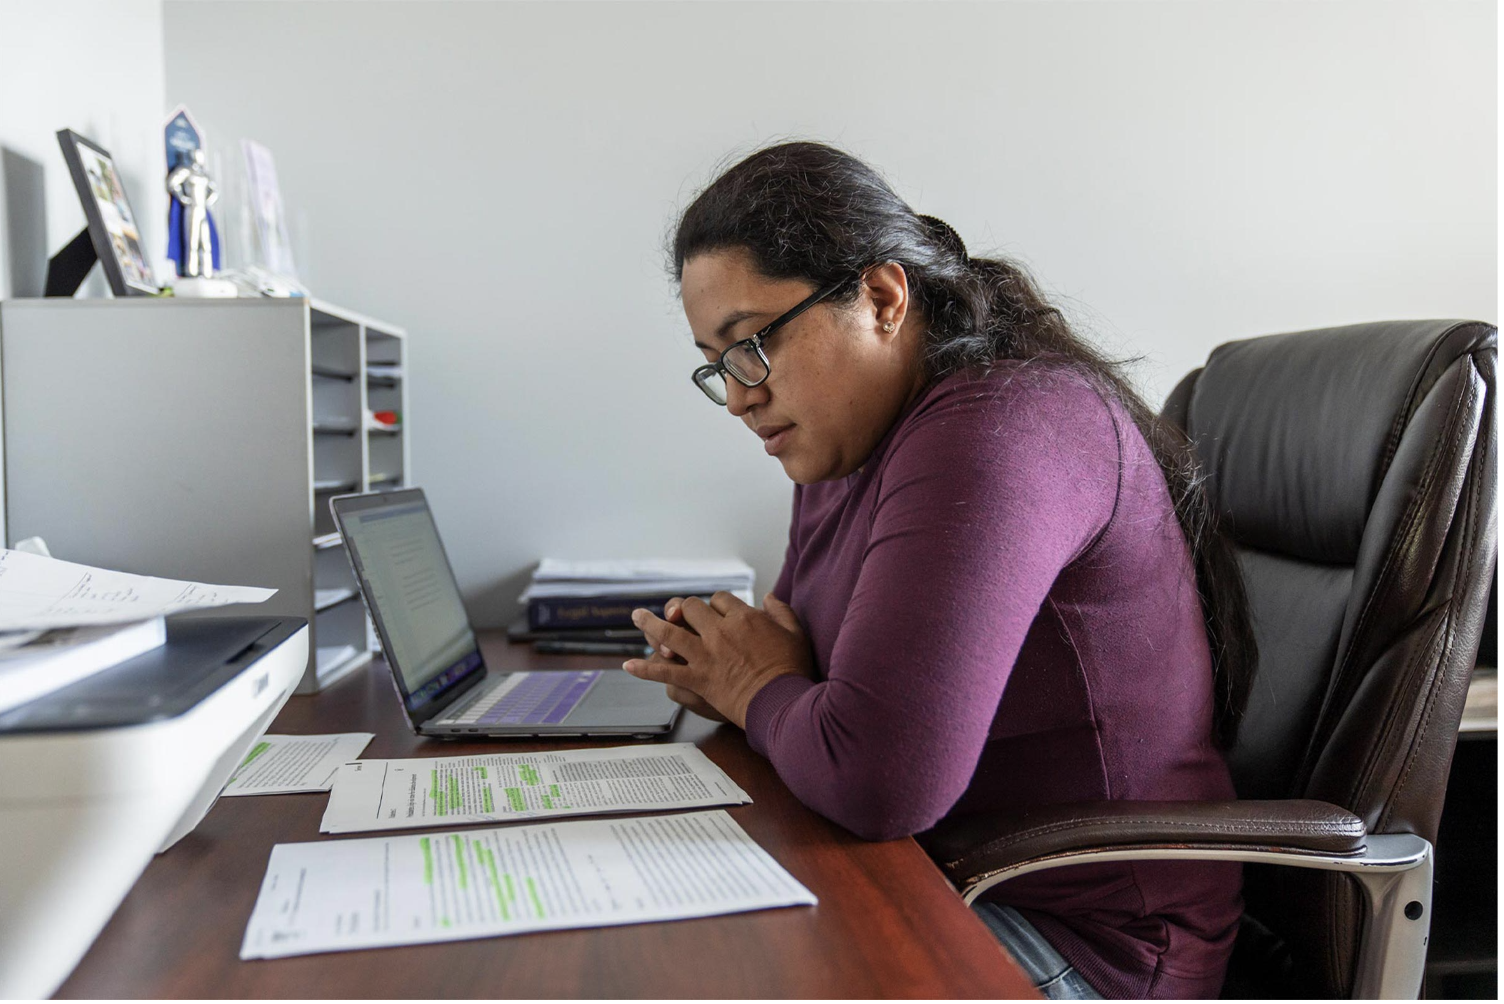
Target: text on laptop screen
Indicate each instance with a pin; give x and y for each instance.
(419, 605)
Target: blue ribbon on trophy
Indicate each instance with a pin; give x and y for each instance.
(192, 236)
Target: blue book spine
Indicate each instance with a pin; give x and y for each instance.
(589, 611)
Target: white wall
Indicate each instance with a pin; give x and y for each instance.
(499, 177)
(96, 67)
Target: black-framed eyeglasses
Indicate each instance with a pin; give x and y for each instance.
(746, 361)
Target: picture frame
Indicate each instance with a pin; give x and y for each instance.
(111, 221)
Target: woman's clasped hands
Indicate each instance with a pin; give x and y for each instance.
(714, 657)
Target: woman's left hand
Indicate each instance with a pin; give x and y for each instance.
(730, 650)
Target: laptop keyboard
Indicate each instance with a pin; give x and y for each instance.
(536, 699)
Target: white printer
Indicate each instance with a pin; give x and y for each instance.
(97, 777)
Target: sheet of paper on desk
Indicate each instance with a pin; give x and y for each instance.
(282, 765)
(40, 592)
(497, 787)
(406, 890)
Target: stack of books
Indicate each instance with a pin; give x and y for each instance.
(592, 601)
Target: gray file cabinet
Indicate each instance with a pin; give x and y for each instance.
(202, 439)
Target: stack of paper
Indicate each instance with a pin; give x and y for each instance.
(557, 577)
(603, 594)
(61, 622)
(476, 883)
(502, 787)
(449, 886)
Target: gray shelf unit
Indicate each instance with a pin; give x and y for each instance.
(203, 439)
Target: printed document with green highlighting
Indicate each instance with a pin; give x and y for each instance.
(377, 892)
(281, 765)
(495, 787)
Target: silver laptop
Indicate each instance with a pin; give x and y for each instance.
(446, 690)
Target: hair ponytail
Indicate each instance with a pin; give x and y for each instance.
(947, 236)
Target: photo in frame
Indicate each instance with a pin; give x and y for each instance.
(111, 222)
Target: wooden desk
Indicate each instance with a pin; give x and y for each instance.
(888, 924)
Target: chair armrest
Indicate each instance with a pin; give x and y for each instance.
(972, 846)
(1393, 869)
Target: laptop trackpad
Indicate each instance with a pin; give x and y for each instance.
(619, 699)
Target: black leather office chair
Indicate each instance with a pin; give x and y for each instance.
(1355, 469)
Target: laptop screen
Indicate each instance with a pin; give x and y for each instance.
(413, 596)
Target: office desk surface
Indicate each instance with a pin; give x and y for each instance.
(888, 924)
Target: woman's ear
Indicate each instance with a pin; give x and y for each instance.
(888, 289)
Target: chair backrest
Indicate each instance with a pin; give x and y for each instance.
(1354, 470)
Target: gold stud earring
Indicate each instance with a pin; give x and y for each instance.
(888, 326)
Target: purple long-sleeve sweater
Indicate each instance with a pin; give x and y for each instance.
(1003, 612)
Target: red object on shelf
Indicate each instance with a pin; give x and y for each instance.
(389, 417)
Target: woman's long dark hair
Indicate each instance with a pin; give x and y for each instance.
(808, 211)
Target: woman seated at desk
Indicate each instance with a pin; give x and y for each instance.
(992, 594)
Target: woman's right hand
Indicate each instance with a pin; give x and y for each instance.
(673, 612)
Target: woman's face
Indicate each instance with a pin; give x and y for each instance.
(837, 381)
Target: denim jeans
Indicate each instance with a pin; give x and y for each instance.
(1055, 978)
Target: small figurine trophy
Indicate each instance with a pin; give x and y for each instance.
(191, 185)
(193, 240)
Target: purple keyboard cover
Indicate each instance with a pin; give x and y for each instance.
(541, 699)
